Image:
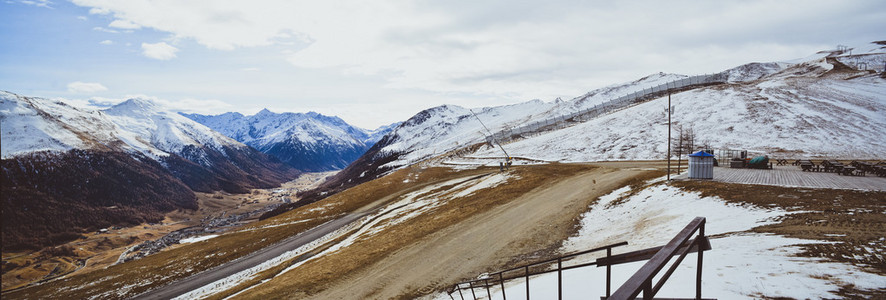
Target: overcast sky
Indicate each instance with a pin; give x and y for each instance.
(377, 62)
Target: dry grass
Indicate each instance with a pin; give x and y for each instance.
(318, 274)
(138, 276)
(100, 250)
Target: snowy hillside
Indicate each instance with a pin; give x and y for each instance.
(37, 124)
(814, 107)
(33, 124)
(307, 141)
(125, 165)
(203, 159)
(803, 111)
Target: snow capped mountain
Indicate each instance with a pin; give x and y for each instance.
(36, 124)
(137, 126)
(815, 107)
(783, 115)
(306, 141)
(373, 136)
(123, 165)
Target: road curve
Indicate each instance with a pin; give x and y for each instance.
(199, 280)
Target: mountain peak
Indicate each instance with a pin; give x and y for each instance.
(264, 113)
(141, 103)
(140, 106)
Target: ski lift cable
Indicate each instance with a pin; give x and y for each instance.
(508, 157)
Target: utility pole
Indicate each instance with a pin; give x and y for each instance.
(669, 135)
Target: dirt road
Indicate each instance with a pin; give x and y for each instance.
(194, 282)
(538, 220)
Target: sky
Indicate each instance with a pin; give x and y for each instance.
(377, 62)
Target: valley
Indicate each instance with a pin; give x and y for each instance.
(140, 201)
(101, 249)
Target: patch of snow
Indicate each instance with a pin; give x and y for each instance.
(487, 182)
(245, 275)
(197, 239)
(741, 265)
(409, 206)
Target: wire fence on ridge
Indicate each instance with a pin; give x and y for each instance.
(563, 121)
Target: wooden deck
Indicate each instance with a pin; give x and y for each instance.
(794, 177)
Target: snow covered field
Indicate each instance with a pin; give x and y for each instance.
(774, 117)
(741, 264)
(811, 107)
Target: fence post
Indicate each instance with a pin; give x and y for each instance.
(501, 280)
(486, 283)
(527, 282)
(472, 291)
(560, 278)
(608, 273)
(459, 292)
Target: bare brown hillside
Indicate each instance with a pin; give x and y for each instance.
(460, 239)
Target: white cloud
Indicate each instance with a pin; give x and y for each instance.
(102, 29)
(160, 51)
(107, 42)
(82, 18)
(86, 87)
(187, 105)
(124, 24)
(99, 11)
(202, 106)
(39, 3)
(507, 50)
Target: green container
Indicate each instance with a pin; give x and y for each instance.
(759, 162)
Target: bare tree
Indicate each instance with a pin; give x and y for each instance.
(688, 136)
(684, 143)
(677, 145)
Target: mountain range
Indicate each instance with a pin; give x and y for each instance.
(827, 105)
(68, 170)
(306, 141)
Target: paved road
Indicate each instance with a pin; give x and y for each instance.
(251, 260)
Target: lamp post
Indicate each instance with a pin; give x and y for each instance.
(669, 135)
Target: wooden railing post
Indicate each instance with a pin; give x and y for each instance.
(647, 290)
(641, 281)
(698, 266)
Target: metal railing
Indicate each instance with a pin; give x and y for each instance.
(640, 281)
(559, 122)
(529, 270)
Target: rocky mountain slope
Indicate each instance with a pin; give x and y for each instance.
(812, 107)
(305, 141)
(84, 169)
